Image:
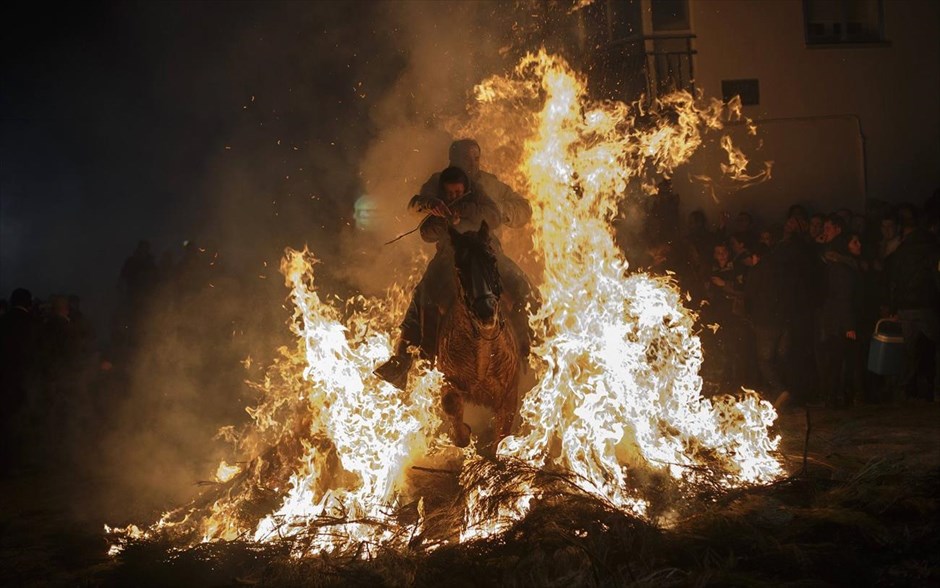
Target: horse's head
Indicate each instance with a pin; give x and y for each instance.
(475, 262)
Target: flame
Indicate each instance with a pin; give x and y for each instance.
(374, 431)
(617, 391)
(619, 387)
(338, 439)
(226, 472)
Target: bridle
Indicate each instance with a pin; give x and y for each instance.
(492, 281)
(501, 323)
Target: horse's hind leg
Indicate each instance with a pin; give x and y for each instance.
(452, 402)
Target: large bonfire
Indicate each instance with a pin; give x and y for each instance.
(617, 400)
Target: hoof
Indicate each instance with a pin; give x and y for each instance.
(462, 438)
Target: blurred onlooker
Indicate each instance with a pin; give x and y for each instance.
(913, 273)
(738, 246)
(83, 328)
(932, 214)
(724, 228)
(767, 238)
(763, 297)
(868, 311)
(816, 223)
(744, 225)
(907, 215)
(740, 252)
(19, 342)
(833, 227)
(890, 237)
(721, 294)
(837, 329)
(139, 273)
(699, 237)
(798, 211)
(662, 222)
(136, 284)
(59, 341)
(799, 270)
(659, 259)
(857, 224)
(697, 247)
(19, 337)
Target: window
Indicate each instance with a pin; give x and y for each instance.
(670, 15)
(831, 22)
(748, 90)
(626, 19)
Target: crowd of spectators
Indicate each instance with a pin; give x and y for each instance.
(172, 325)
(789, 308)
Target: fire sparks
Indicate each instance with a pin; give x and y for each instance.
(617, 393)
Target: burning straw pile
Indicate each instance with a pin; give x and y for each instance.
(615, 438)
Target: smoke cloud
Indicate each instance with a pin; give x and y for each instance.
(282, 117)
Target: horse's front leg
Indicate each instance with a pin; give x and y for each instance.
(507, 409)
(452, 401)
(505, 415)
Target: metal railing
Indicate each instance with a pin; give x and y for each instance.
(667, 61)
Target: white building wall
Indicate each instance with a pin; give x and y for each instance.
(815, 98)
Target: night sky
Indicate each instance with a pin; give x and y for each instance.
(237, 125)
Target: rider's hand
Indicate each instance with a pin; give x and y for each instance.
(437, 207)
(462, 210)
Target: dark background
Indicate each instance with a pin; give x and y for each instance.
(236, 125)
(244, 128)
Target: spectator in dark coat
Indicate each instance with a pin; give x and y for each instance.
(721, 293)
(867, 309)
(815, 229)
(837, 328)
(19, 343)
(763, 299)
(19, 340)
(799, 269)
(914, 294)
(699, 237)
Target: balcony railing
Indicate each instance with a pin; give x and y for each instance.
(665, 60)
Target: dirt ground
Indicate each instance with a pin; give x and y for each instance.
(865, 496)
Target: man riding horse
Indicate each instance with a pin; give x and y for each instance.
(459, 203)
(515, 211)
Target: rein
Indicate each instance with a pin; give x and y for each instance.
(426, 217)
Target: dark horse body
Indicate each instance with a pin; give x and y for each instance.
(477, 350)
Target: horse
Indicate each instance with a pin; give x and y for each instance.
(477, 349)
